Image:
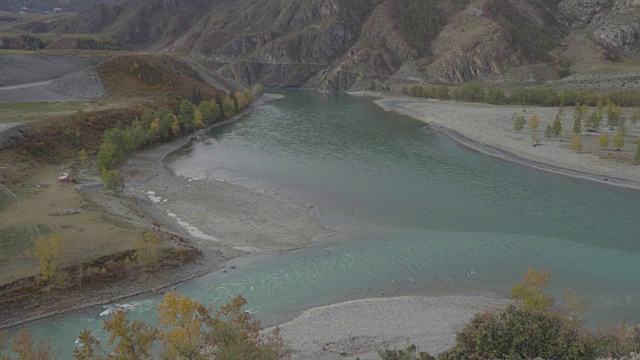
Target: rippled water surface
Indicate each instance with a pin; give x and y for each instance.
(416, 212)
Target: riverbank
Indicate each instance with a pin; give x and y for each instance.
(489, 129)
(140, 208)
(359, 328)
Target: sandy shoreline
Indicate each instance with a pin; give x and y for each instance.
(361, 327)
(488, 129)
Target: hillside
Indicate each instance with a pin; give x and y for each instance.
(341, 44)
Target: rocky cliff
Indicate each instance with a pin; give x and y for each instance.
(344, 44)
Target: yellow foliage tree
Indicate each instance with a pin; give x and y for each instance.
(618, 140)
(25, 347)
(49, 254)
(534, 122)
(576, 143)
(241, 100)
(83, 156)
(198, 120)
(529, 294)
(228, 107)
(175, 127)
(133, 339)
(181, 327)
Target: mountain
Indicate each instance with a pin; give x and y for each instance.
(343, 44)
(48, 5)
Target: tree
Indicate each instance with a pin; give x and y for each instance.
(534, 138)
(181, 321)
(188, 330)
(548, 132)
(83, 156)
(496, 96)
(258, 89)
(198, 120)
(575, 305)
(228, 107)
(534, 122)
(241, 100)
(175, 127)
(518, 123)
(520, 334)
(186, 114)
(613, 115)
(577, 125)
(576, 143)
(109, 156)
(618, 140)
(113, 180)
(638, 152)
(25, 347)
(592, 121)
(133, 339)
(49, 255)
(148, 251)
(603, 140)
(556, 128)
(529, 294)
(210, 111)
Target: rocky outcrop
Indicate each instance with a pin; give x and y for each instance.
(615, 37)
(579, 13)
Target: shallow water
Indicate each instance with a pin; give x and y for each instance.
(416, 212)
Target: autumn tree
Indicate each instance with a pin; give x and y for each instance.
(556, 128)
(25, 347)
(241, 100)
(603, 140)
(258, 90)
(198, 120)
(228, 107)
(49, 254)
(534, 122)
(148, 250)
(618, 140)
(530, 295)
(133, 340)
(181, 331)
(576, 143)
(175, 127)
(188, 330)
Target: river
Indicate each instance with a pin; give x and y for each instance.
(415, 212)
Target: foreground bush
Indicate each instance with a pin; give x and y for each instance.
(188, 330)
(520, 334)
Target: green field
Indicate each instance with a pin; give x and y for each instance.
(22, 112)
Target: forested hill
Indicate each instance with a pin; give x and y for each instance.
(343, 44)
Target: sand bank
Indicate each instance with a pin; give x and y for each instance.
(489, 129)
(359, 328)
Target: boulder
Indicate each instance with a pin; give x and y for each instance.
(615, 37)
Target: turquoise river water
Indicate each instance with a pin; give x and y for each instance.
(416, 214)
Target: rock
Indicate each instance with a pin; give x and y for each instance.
(615, 37)
(578, 13)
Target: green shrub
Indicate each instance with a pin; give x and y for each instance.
(520, 334)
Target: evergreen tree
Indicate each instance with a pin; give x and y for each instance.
(638, 152)
(548, 132)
